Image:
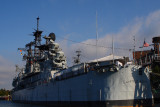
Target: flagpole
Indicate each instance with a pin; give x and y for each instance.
(113, 48)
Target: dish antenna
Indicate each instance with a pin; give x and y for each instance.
(52, 36)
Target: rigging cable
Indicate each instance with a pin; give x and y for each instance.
(126, 49)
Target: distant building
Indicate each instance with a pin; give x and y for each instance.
(148, 56)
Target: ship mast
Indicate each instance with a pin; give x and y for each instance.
(37, 41)
(37, 23)
(96, 38)
(134, 49)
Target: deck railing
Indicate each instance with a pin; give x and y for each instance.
(156, 57)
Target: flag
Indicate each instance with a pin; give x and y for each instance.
(145, 44)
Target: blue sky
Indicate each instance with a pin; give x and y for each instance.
(74, 20)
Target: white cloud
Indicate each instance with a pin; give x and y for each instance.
(153, 18)
(7, 72)
(141, 27)
(2, 82)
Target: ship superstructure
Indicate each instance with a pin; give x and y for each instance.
(46, 79)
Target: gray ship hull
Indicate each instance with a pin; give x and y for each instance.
(126, 87)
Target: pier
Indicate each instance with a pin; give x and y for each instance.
(5, 98)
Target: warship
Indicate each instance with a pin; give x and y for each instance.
(111, 81)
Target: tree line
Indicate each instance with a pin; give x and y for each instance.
(4, 92)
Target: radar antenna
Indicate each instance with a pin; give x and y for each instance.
(77, 59)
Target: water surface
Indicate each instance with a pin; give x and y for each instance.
(4, 103)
